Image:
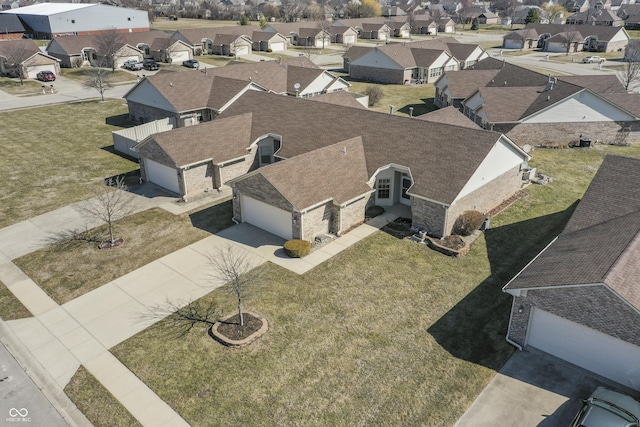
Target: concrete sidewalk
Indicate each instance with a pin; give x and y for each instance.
(80, 332)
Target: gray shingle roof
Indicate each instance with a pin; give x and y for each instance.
(10, 23)
(603, 32)
(450, 115)
(601, 241)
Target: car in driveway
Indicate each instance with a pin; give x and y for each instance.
(151, 65)
(608, 408)
(133, 65)
(191, 63)
(46, 76)
(592, 58)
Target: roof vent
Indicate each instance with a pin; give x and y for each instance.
(505, 82)
(170, 84)
(548, 97)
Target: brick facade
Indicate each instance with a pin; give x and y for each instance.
(428, 215)
(198, 179)
(486, 197)
(140, 113)
(317, 221)
(380, 75)
(353, 214)
(593, 306)
(561, 134)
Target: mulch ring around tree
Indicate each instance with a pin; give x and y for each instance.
(228, 330)
(107, 244)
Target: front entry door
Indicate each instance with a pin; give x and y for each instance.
(405, 199)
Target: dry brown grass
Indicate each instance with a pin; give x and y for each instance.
(148, 236)
(55, 154)
(10, 307)
(96, 403)
(13, 86)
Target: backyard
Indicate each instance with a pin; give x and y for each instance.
(386, 333)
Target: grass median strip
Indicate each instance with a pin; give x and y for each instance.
(386, 333)
(70, 269)
(10, 307)
(96, 403)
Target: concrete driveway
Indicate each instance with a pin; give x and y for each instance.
(534, 389)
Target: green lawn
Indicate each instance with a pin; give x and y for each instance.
(386, 333)
(148, 235)
(10, 307)
(96, 403)
(55, 154)
(80, 74)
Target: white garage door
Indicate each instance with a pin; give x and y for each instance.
(600, 353)
(162, 175)
(267, 217)
(349, 39)
(34, 70)
(242, 50)
(277, 47)
(178, 57)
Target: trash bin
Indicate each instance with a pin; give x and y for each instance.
(486, 224)
(585, 142)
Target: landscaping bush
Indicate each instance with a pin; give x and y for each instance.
(468, 222)
(269, 50)
(297, 248)
(375, 94)
(373, 211)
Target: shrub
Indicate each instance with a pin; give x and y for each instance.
(297, 248)
(373, 211)
(375, 94)
(468, 222)
(269, 50)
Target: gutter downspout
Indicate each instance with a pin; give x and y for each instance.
(446, 219)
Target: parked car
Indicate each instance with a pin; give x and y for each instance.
(132, 64)
(592, 58)
(191, 63)
(46, 76)
(608, 408)
(151, 65)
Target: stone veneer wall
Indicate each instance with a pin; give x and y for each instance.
(198, 179)
(317, 221)
(593, 306)
(551, 134)
(486, 197)
(353, 214)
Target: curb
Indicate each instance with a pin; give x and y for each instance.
(49, 388)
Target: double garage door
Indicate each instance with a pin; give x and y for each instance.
(35, 69)
(277, 47)
(267, 217)
(242, 50)
(162, 175)
(179, 56)
(597, 352)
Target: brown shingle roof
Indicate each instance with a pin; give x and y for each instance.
(341, 97)
(219, 140)
(196, 35)
(386, 138)
(355, 52)
(19, 49)
(508, 104)
(337, 171)
(463, 83)
(303, 76)
(450, 115)
(628, 101)
(74, 44)
(603, 32)
(607, 84)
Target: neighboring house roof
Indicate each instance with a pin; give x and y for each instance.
(566, 37)
(311, 32)
(195, 35)
(338, 173)
(10, 23)
(341, 97)
(20, 49)
(593, 17)
(450, 115)
(47, 9)
(462, 83)
(355, 52)
(602, 32)
(627, 101)
(508, 104)
(373, 26)
(601, 242)
(73, 45)
(263, 36)
(386, 139)
(527, 34)
(601, 84)
(219, 140)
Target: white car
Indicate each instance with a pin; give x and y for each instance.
(592, 58)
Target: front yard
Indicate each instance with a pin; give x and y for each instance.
(52, 156)
(386, 333)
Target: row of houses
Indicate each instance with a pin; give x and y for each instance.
(414, 62)
(567, 38)
(536, 109)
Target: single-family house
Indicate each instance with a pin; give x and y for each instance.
(446, 24)
(11, 26)
(265, 41)
(566, 42)
(346, 36)
(425, 24)
(350, 158)
(595, 17)
(311, 37)
(171, 51)
(597, 38)
(388, 11)
(206, 41)
(228, 45)
(399, 29)
(352, 53)
(23, 58)
(521, 39)
(579, 299)
(375, 31)
(484, 16)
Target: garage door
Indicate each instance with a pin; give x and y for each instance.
(277, 47)
(34, 70)
(349, 39)
(242, 50)
(162, 175)
(267, 217)
(600, 353)
(178, 57)
(122, 59)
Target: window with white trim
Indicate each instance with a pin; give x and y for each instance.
(384, 188)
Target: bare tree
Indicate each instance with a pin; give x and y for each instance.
(108, 43)
(234, 268)
(630, 73)
(571, 39)
(98, 78)
(110, 203)
(13, 54)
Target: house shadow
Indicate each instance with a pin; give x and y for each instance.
(425, 107)
(214, 218)
(121, 120)
(112, 150)
(475, 328)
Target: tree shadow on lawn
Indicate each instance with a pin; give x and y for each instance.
(475, 328)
